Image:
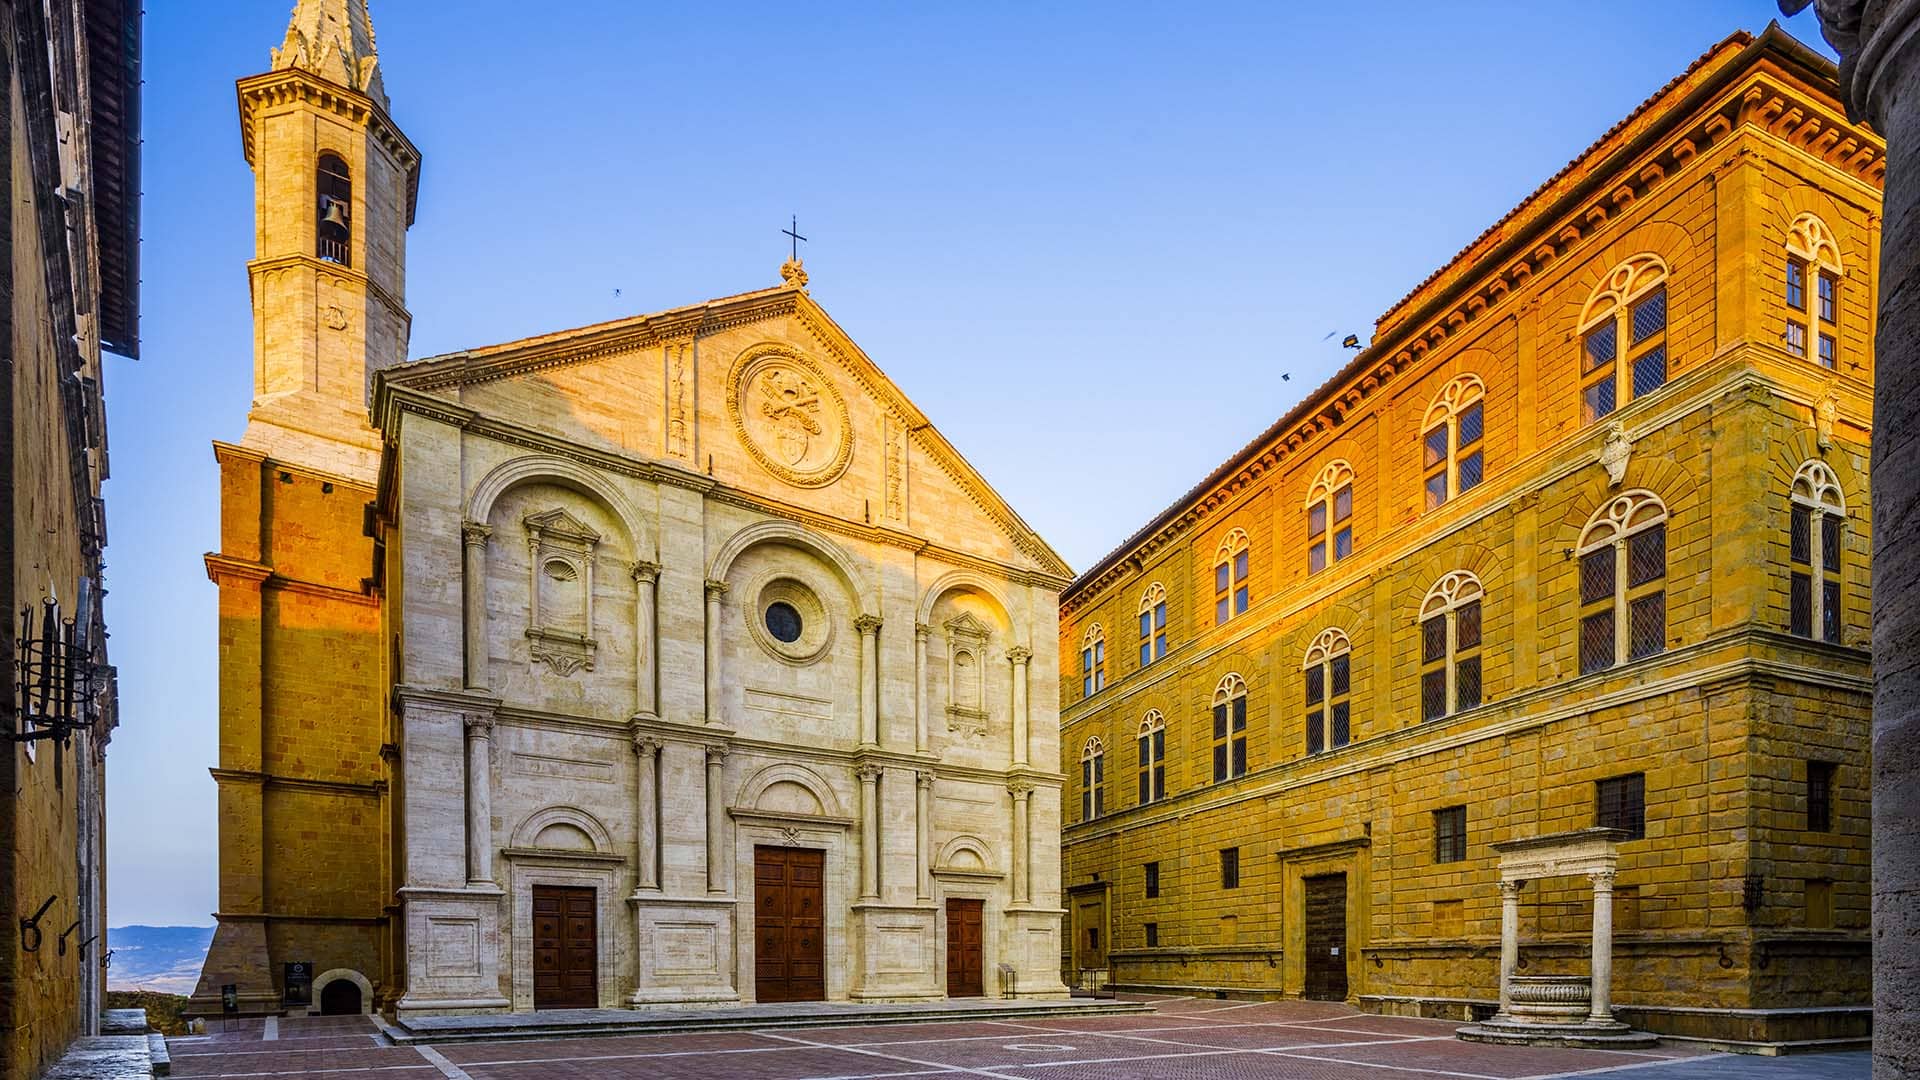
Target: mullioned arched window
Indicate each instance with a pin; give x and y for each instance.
(1623, 337)
(1329, 675)
(1819, 511)
(1623, 571)
(1450, 645)
(1330, 516)
(1451, 457)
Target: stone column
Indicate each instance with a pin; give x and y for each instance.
(869, 627)
(922, 741)
(1602, 1011)
(716, 590)
(1019, 656)
(1509, 942)
(1021, 791)
(646, 645)
(718, 862)
(1880, 82)
(646, 812)
(924, 839)
(473, 536)
(479, 799)
(869, 832)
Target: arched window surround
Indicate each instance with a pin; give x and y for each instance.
(1328, 671)
(1329, 509)
(1622, 580)
(1452, 456)
(1153, 757)
(1232, 569)
(1811, 290)
(1815, 545)
(1093, 661)
(1153, 623)
(1093, 779)
(1450, 625)
(1623, 337)
(1229, 728)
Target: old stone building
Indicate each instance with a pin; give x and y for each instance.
(671, 660)
(1579, 540)
(69, 288)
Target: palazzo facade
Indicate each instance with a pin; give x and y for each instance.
(671, 660)
(1579, 540)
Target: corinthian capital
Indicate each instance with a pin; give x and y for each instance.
(474, 533)
(868, 773)
(479, 724)
(1019, 655)
(1020, 789)
(645, 572)
(716, 588)
(867, 625)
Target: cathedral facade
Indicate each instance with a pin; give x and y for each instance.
(671, 660)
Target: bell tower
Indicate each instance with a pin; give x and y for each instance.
(334, 188)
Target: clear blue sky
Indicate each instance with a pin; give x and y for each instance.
(1087, 240)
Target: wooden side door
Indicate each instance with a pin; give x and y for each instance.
(1326, 918)
(966, 975)
(1089, 938)
(789, 954)
(566, 948)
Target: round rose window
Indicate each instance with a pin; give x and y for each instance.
(783, 622)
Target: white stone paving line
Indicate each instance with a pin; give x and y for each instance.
(1606, 1069)
(308, 1072)
(931, 1065)
(270, 1030)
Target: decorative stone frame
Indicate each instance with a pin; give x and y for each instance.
(967, 641)
(960, 885)
(770, 354)
(817, 617)
(603, 872)
(829, 832)
(562, 548)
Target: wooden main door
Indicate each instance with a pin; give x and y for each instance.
(965, 970)
(566, 948)
(1327, 937)
(789, 935)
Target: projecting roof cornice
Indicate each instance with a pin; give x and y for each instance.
(289, 85)
(1771, 85)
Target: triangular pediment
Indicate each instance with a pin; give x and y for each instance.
(967, 626)
(562, 525)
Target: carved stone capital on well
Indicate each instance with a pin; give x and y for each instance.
(1020, 789)
(868, 774)
(1511, 889)
(1602, 880)
(716, 588)
(474, 533)
(868, 625)
(645, 572)
(922, 631)
(1019, 655)
(479, 724)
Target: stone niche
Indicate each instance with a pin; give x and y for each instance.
(560, 549)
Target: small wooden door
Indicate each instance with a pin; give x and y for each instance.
(965, 969)
(789, 954)
(565, 948)
(1089, 938)
(1326, 911)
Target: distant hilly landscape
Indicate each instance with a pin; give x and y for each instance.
(160, 958)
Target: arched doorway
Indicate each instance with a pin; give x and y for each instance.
(341, 997)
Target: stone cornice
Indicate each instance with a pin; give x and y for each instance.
(222, 569)
(393, 401)
(226, 451)
(372, 789)
(294, 85)
(318, 265)
(1752, 92)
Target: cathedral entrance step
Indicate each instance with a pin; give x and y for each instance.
(564, 1023)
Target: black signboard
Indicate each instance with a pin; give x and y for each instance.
(299, 983)
(230, 997)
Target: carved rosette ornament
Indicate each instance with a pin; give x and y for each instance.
(787, 414)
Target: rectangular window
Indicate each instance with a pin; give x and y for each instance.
(1153, 880)
(1433, 694)
(1796, 338)
(1650, 370)
(1472, 469)
(1466, 680)
(1342, 666)
(1820, 796)
(1433, 639)
(1796, 284)
(1316, 732)
(1240, 735)
(1597, 400)
(1829, 298)
(1153, 935)
(1316, 685)
(1220, 742)
(1647, 556)
(1603, 344)
(1620, 802)
(1800, 605)
(1450, 834)
(1596, 642)
(1230, 868)
(1830, 542)
(1434, 448)
(1472, 424)
(1342, 732)
(1647, 619)
(1829, 356)
(1800, 536)
(1466, 626)
(1830, 612)
(1086, 672)
(1649, 316)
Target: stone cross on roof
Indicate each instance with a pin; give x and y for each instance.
(334, 40)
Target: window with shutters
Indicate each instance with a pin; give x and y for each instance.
(1450, 646)
(1230, 729)
(1451, 457)
(1330, 517)
(1153, 757)
(1820, 795)
(1232, 566)
(1450, 834)
(1153, 624)
(1093, 779)
(1093, 661)
(1620, 802)
(1623, 337)
(1815, 535)
(1623, 570)
(1328, 669)
(1812, 291)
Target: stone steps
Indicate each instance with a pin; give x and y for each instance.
(582, 1023)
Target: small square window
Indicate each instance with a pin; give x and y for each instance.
(1230, 868)
(1621, 803)
(1450, 834)
(1153, 935)
(1796, 338)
